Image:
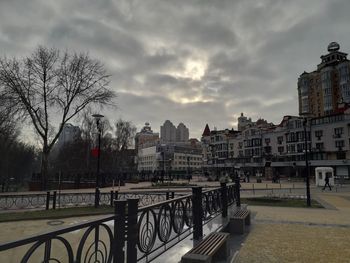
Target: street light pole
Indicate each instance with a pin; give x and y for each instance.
(308, 200)
(98, 118)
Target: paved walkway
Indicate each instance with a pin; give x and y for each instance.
(277, 234)
(299, 234)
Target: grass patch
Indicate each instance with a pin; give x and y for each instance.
(282, 202)
(55, 214)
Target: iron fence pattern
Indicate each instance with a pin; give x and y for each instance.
(148, 223)
(86, 242)
(39, 201)
(8, 202)
(162, 225)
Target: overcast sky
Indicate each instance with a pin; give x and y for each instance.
(194, 62)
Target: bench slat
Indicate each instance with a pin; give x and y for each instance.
(210, 244)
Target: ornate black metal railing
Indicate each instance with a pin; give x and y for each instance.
(162, 225)
(55, 199)
(94, 244)
(147, 231)
(23, 201)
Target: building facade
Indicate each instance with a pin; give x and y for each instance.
(327, 89)
(182, 133)
(281, 148)
(69, 133)
(172, 158)
(170, 133)
(146, 137)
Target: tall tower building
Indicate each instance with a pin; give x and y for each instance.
(168, 132)
(145, 137)
(243, 122)
(182, 133)
(327, 89)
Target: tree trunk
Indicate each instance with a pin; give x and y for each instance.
(44, 168)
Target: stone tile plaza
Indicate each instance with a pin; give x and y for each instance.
(174, 131)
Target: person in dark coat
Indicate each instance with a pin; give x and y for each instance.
(327, 183)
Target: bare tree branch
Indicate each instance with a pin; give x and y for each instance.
(46, 86)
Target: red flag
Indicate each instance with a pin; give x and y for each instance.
(94, 152)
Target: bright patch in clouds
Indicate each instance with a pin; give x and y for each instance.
(195, 62)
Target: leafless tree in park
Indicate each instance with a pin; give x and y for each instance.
(124, 134)
(49, 88)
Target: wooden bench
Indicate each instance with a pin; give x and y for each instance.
(239, 220)
(214, 247)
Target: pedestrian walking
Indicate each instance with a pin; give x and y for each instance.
(327, 183)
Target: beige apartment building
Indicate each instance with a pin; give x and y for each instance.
(326, 90)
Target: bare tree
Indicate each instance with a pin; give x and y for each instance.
(50, 89)
(124, 133)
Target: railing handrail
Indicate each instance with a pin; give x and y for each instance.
(60, 231)
(143, 208)
(82, 193)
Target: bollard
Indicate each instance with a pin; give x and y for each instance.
(253, 190)
(167, 195)
(48, 200)
(54, 200)
(197, 213)
(266, 186)
(119, 231)
(116, 195)
(172, 195)
(280, 186)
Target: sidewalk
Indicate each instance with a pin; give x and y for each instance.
(300, 234)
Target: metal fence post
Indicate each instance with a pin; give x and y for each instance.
(48, 200)
(97, 197)
(119, 231)
(112, 198)
(132, 231)
(224, 199)
(237, 191)
(54, 200)
(197, 213)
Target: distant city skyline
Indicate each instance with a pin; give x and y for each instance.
(204, 64)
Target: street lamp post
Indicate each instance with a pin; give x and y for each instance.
(98, 118)
(308, 200)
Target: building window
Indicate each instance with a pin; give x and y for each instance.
(319, 146)
(267, 140)
(339, 144)
(279, 139)
(341, 155)
(319, 134)
(338, 132)
(280, 149)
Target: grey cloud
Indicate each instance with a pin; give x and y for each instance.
(252, 52)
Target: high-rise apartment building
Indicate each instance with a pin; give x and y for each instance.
(69, 134)
(168, 132)
(182, 133)
(326, 90)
